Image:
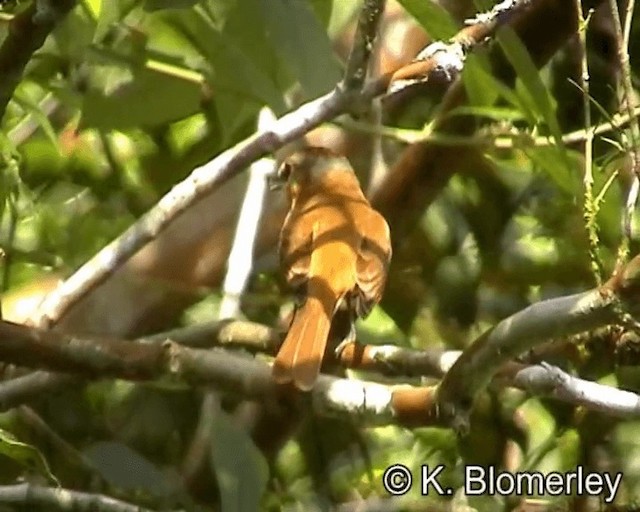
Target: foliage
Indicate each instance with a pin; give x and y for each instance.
(127, 96)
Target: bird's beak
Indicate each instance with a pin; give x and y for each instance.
(274, 182)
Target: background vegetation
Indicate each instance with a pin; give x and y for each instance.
(504, 187)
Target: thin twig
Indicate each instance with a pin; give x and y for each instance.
(550, 381)
(28, 125)
(590, 209)
(514, 139)
(627, 102)
(368, 21)
(7, 254)
(628, 17)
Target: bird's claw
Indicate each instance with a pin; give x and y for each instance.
(348, 339)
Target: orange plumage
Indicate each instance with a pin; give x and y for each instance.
(334, 249)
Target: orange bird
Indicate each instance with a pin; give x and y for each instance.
(335, 251)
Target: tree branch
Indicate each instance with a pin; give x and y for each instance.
(250, 378)
(446, 60)
(552, 382)
(358, 62)
(249, 335)
(522, 331)
(63, 500)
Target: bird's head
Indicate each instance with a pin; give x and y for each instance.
(312, 166)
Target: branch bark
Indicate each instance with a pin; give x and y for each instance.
(63, 500)
(542, 321)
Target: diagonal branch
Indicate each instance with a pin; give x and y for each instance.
(447, 59)
(554, 318)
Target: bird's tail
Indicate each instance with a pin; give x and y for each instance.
(300, 355)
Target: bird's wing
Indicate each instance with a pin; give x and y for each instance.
(295, 249)
(374, 256)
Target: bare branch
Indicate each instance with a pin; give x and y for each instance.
(249, 335)
(358, 62)
(522, 331)
(62, 500)
(447, 59)
(373, 403)
(398, 361)
(30, 387)
(550, 381)
(232, 373)
(538, 379)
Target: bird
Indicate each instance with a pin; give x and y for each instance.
(335, 251)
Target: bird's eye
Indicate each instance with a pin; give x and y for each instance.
(285, 171)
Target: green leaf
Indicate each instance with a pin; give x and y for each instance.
(36, 112)
(378, 327)
(342, 12)
(156, 5)
(234, 112)
(10, 182)
(241, 60)
(143, 98)
(302, 44)
(219, 11)
(494, 113)
(434, 19)
(529, 75)
(235, 72)
(479, 88)
(93, 7)
(479, 74)
(25, 454)
(111, 12)
(240, 468)
(552, 160)
(126, 469)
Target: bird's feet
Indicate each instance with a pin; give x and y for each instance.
(349, 338)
